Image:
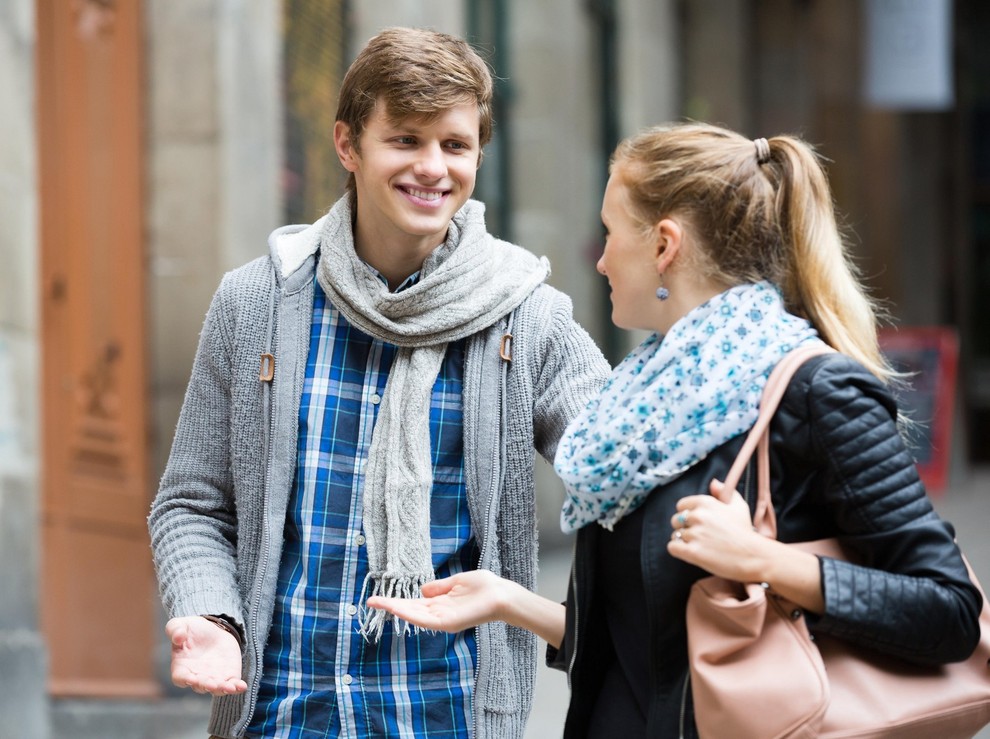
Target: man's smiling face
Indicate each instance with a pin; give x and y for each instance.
(411, 176)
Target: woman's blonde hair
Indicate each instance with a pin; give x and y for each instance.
(756, 215)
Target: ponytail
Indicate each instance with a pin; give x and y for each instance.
(821, 282)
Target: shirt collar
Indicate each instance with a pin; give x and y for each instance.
(408, 282)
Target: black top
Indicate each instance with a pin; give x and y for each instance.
(623, 701)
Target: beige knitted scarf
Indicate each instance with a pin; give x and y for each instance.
(467, 284)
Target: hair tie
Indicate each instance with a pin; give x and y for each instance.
(762, 151)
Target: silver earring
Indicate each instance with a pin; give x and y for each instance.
(662, 292)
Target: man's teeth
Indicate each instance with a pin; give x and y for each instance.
(423, 195)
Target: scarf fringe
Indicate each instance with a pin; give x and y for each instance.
(389, 585)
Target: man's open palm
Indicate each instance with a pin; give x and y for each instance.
(204, 657)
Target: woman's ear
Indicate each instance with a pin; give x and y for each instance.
(346, 151)
(669, 239)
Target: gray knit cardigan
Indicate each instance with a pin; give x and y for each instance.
(216, 523)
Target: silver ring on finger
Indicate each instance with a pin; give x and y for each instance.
(678, 535)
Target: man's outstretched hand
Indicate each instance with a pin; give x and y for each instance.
(204, 657)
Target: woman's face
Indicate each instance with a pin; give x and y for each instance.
(628, 261)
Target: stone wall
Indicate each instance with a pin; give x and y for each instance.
(23, 702)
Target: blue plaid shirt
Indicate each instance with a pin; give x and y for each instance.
(320, 677)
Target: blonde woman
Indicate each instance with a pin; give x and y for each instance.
(726, 250)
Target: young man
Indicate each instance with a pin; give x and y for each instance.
(361, 418)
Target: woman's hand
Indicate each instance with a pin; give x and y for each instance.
(715, 532)
(453, 604)
(468, 599)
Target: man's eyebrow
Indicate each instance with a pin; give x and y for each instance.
(401, 127)
(411, 125)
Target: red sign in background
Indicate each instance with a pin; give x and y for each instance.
(929, 355)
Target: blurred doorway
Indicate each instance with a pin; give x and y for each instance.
(97, 589)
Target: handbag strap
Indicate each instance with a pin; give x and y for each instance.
(758, 439)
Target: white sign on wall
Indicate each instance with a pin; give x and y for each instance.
(908, 54)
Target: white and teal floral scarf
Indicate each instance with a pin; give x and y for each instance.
(673, 400)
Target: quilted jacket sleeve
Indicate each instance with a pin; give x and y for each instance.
(910, 596)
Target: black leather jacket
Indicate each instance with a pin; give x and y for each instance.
(838, 468)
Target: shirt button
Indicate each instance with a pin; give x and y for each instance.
(376, 399)
(359, 539)
(351, 609)
(347, 679)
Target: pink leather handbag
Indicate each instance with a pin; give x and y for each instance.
(757, 673)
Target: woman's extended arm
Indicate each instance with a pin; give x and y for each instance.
(468, 599)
